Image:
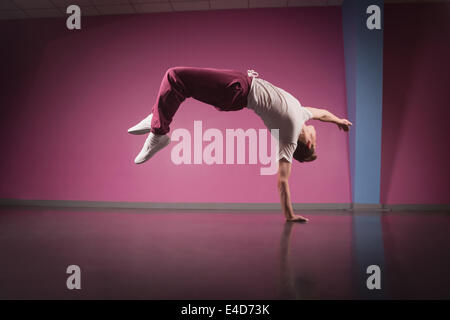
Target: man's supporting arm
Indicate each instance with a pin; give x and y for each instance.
(284, 171)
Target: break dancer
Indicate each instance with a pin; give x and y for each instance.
(230, 90)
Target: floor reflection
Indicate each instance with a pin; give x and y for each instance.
(291, 286)
(316, 259)
(141, 254)
(417, 250)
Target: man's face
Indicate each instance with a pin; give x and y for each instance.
(310, 136)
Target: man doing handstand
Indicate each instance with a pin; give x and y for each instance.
(230, 90)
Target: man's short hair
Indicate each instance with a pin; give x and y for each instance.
(304, 154)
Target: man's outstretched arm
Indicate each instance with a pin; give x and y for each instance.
(284, 172)
(327, 116)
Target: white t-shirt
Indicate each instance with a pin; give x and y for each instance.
(278, 109)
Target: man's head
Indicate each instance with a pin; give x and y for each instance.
(306, 145)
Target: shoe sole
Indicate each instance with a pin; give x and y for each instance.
(138, 132)
(154, 151)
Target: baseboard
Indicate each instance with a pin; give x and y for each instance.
(172, 205)
(417, 207)
(367, 207)
(223, 206)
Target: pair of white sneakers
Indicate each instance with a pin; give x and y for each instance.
(152, 144)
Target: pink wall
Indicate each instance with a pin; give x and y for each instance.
(416, 104)
(69, 97)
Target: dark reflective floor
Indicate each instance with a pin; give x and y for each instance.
(142, 254)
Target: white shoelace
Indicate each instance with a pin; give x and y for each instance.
(252, 73)
(151, 141)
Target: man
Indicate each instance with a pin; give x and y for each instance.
(229, 90)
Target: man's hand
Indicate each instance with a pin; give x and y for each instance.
(344, 124)
(297, 218)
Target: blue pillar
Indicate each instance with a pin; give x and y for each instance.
(364, 84)
(364, 80)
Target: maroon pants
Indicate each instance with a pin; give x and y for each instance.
(227, 90)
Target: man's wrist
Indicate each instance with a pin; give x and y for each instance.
(290, 215)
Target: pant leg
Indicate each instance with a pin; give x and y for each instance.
(227, 90)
